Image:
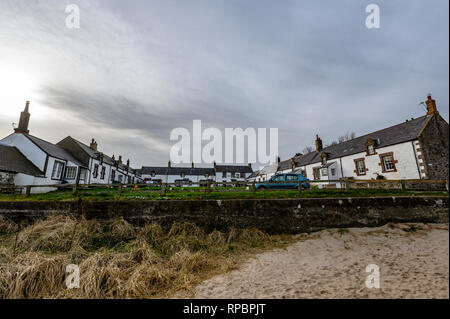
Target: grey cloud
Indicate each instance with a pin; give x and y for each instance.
(305, 67)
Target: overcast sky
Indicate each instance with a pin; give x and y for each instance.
(135, 70)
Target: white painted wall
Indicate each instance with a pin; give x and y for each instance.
(24, 180)
(403, 153)
(33, 153)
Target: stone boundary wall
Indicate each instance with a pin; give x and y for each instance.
(270, 215)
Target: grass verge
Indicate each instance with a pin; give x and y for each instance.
(104, 193)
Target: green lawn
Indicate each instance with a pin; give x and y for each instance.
(189, 193)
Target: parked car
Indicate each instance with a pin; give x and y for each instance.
(285, 181)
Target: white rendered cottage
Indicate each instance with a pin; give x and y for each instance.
(415, 149)
(57, 165)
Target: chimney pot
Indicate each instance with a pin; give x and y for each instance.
(431, 106)
(169, 164)
(93, 145)
(24, 120)
(319, 144)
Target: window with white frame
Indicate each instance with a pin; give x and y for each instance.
(95, 173)
(388, 163)
(333, 171)
(324, 171)
(71, 172)
(360, 166)
(370, 149)
(57, 170)
(103, 172)
(238, 175)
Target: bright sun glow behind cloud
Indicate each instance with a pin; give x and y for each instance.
(17, 87)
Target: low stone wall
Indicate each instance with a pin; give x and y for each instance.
(269, 215)
(409, 185)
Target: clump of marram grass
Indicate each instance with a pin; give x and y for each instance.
(53, 235)
(118, 260)
(7, 226)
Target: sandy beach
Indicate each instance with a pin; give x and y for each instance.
(332, 264)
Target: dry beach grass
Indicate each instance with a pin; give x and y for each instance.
(117, 260)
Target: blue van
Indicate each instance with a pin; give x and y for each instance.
(285, 181)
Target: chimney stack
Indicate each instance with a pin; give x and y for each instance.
(24, 120)
(192, 165)
(293, 163)
(250, 165)
(319, 145)
(431, 106)
(128, 162)
(169, 165)
(120, 159)
(278, 159)
(215, 165)
(93, 145)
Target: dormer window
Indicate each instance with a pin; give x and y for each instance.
(370, 147)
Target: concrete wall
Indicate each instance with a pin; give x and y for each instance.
(272, 216)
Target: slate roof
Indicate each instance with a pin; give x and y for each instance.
(254, 174)
(400, 133)
(270, 169)
(234, 168)
(200, 171)
(12, 160)
(284, 165)
(96, 155)
(53, 150)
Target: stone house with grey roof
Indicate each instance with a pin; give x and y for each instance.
(414, 149)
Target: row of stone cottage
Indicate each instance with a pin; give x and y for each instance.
(28, 160)
(415, 149)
